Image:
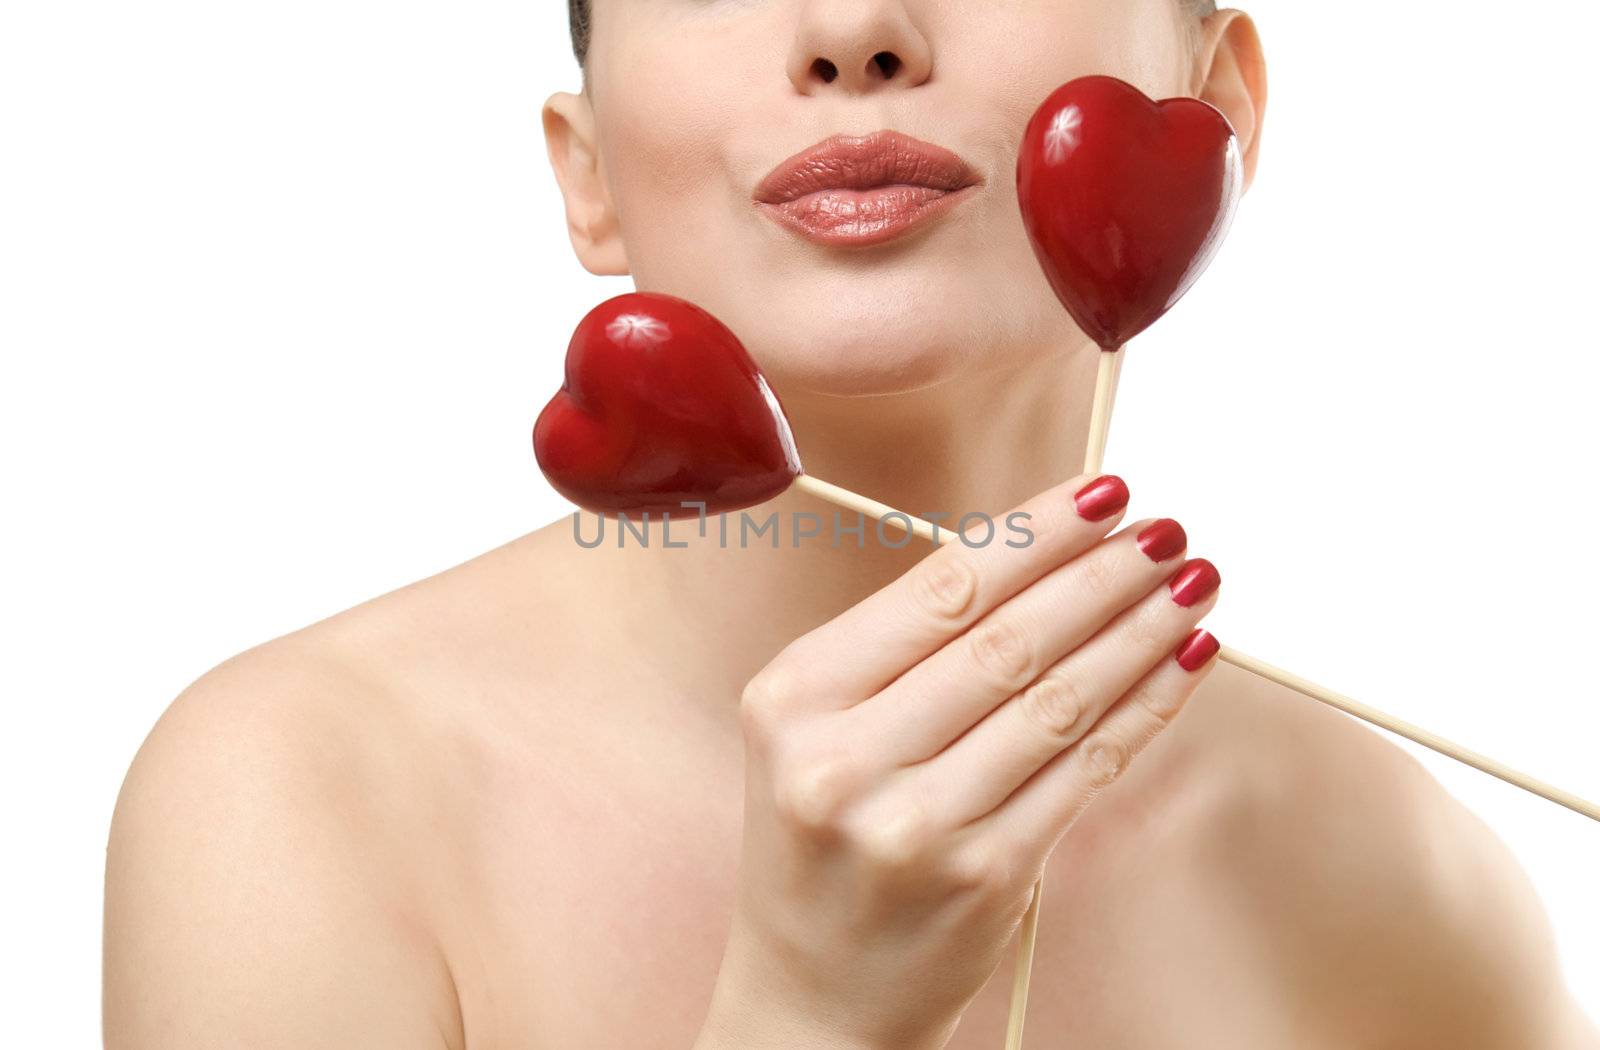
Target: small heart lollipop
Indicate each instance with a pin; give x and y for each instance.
(1125, 200)
(663, 412)
(662, 406)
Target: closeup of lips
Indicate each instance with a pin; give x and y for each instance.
(864, 189)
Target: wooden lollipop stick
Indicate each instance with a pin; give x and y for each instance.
(1413, 733)
(1023, 972)
(1105, 395)
(1116, 377)
(872, 508)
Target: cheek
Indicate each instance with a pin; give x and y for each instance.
(665, 115)
(1038, 45)
(660, 149)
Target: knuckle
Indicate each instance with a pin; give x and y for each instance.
(1147, 628)
(771, 688)
(985, 872)
(811, 795)
(1055, 704)
(763, 700)
(896, 840)
(1105, 756)
(1162, 704)
(1098, 577)
(944, 588)
(1000, 649)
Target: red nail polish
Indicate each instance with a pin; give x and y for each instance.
(1101, 498)
(1162, 539)
(1196, 649)
(1197, 579)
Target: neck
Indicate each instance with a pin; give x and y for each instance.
(975, 444)
(979, 444)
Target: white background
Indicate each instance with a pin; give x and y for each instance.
(282, 287)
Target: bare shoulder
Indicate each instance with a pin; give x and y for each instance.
(264, 884)
(1393, 907)
(250, 898)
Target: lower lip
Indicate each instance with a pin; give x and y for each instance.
(856, 218)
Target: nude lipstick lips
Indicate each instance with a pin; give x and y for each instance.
(859, 190)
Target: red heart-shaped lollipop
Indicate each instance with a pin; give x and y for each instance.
(662, 406)
(1125, 200)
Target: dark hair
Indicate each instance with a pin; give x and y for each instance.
(578, 19)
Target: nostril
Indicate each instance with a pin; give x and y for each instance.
(825, 69)
(888, 63)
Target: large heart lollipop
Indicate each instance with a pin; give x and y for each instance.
(662, 407)
(1125, 200)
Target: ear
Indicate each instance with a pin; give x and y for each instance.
(569, 138)
(1231, 73)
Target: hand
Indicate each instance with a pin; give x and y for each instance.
(912, 764)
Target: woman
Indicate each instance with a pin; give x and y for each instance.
(733, 795)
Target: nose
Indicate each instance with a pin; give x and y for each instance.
(857, 46)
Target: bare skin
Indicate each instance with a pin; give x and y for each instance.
(502, 807)
(448, 818)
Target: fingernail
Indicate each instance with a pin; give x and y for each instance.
(1101, 498)
(1162, 539)
(1194, 581)
(1199, 647)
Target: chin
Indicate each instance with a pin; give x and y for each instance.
(844, 354)
(859, 335)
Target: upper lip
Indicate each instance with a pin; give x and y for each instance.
(864, 162)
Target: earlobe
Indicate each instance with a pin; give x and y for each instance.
(569, 138)
(1231, 74)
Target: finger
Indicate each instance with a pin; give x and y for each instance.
(1042, 810)
(977, 773)
(865, 648)
(944, 696)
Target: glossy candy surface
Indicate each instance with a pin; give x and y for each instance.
(1125, 199)
(662, 405)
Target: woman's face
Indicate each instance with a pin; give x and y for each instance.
(694, 102)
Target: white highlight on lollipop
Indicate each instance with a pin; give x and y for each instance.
(637, 331)
(1062, 137)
